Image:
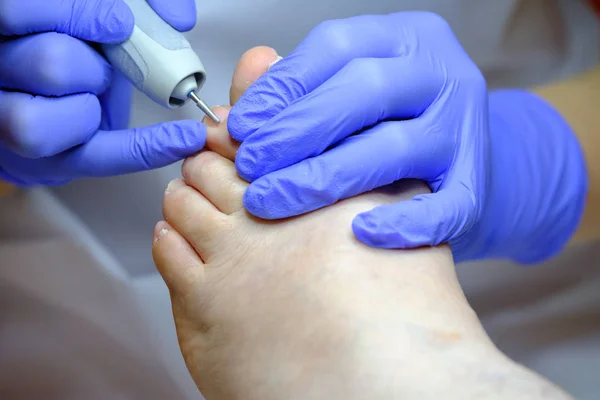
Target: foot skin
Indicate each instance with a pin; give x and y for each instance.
(300, 309)
(249, 293)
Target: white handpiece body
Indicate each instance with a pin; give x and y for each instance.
(157, 58)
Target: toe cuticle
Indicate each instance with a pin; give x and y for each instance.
(174, 185)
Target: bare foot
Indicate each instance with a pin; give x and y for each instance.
(300, 309)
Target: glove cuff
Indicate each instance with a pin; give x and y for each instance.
(6, 177)
(538, 182)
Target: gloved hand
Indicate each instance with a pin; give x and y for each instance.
(366, 101)
(63, 109)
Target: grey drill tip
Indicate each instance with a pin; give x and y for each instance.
(204, 107)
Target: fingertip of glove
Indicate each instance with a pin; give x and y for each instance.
(244, 119)
(265, 199)
(115, 22)
(192, 124)
(246, 165)
(374, 231)
(254, 201)
(181, 17)
(195, 131)
(182, 23)
(235, 121)
(364, 225)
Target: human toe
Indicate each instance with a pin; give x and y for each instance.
(251, 66)
(217, 135)
(195, 218)
(179, 265)
(216, 178)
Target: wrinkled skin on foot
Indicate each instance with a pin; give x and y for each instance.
(295, 297)
(299, 309)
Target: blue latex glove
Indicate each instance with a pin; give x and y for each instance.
(63, 109)
(366, 101)
(538, 183)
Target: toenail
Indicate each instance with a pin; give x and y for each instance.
(279, 58)
(174, 185)
(218, 110)
(222, 112)
(160, 234)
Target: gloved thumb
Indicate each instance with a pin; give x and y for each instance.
(425, 220)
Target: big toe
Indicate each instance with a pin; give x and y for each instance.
(251, 66)
(216, 178)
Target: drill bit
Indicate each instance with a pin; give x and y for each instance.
(204, 107)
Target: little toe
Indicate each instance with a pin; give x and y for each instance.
(217, 136)
(195, 218)
(216, 178)
(179, 265)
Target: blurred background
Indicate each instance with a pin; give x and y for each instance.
(84, 315)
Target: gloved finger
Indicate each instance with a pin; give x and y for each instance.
(325, 51)
(110, 153)
(180, 14)
(377, 157)
(425, 220)
(36, 126)
(52, 64)
(102, 21)
(116, 103)
(362, 93)
(251, 66)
